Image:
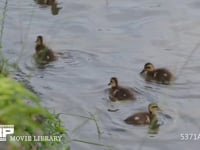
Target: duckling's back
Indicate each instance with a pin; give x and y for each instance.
(162, 75)
(142, 118)
(121, 93)
(50, 56)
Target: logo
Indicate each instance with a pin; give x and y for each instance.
(5, 130)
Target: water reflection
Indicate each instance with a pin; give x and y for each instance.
(53, 3)
(154, 126)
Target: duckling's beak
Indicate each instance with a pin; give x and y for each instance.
(142, 71)
(109, 83)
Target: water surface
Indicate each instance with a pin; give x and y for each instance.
(106, 38)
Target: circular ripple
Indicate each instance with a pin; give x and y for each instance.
(77, 58)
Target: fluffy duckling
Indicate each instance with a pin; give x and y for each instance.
(119, 93)
(160, 75)
(144, 118)
(43, 53)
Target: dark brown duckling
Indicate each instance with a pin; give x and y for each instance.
(160, 75)
(119, 93)
(43, 53)
(144, 118)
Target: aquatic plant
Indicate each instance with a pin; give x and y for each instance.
(92, 117)
(3, 61)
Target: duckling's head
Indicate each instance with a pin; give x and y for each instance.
(153, 108)
(39, 40)
(147, 68)
(113, 82)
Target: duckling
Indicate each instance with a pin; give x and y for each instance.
(43, 53)
(45, 2)
(144, 118)
(119, 93)
(160, 75)
(53, 3)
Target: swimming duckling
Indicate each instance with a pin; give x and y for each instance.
(144, 118)
(119, 93)
(43, 53)
(53, 3)
(45, 2)
(160, 75)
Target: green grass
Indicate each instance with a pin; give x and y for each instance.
(91, 117)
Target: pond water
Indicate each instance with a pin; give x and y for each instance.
(104, 38)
